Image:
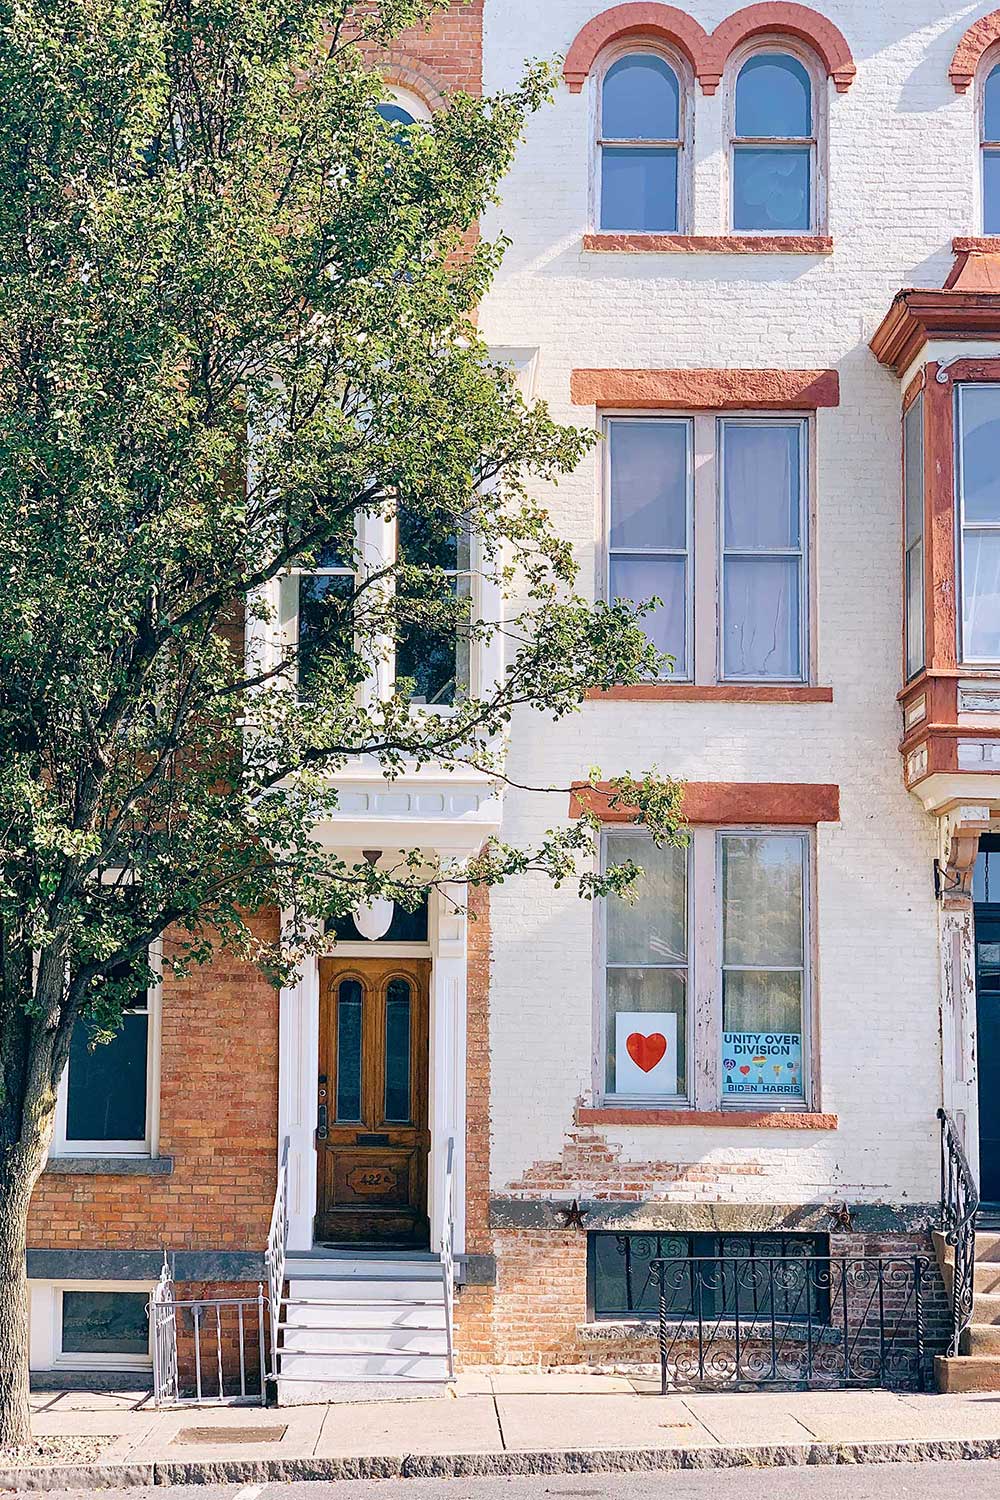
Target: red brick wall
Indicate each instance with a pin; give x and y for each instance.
(474, 1339)
(218, 1120)
(448, 55)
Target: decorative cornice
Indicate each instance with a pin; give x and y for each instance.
(706, 390)
(708, 55)
(916, 316)
(724, 803)
(970, 51)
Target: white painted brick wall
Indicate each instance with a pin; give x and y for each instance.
(903, 181)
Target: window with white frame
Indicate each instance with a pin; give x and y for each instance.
(433, 605)
(108, 1102)
(649, 481)
(913, 525)
(89, 1325)
(738, 518)
(989, 128)
(641, 111)
(317, 611)
(705, 976)
(978, 486)
(774, 145)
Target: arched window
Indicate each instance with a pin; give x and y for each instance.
(773, 158)
(990, 135)
(640, 145)
(395, 114)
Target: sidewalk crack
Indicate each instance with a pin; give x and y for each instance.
(496, 1408)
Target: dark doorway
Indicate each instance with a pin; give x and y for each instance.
(986, 895)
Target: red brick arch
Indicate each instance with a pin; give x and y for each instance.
(708, 54)
(969, 53)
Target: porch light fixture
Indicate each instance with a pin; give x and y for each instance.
(374, 918)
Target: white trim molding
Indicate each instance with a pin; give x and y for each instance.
(45, 1299)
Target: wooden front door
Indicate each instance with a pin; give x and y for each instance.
(372, 1138)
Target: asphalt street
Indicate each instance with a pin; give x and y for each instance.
(923, 1481)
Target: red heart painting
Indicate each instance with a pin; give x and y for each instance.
(744, 1070)
(646, 1051)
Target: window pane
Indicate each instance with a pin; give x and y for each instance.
(641, 578)
(991, 192)
(395, 114)
(349, 1011)
(771, 188)
(432, 650)
(640, 100)
(397, 1050)
(981, 596)
(650, 1064)
(991, 106)
(639, 188)
(430, 541)
(979, 406)
(761, 629)
(762, 907)
(762, 1035)
(913, 467)
(914, 609)
(762, 474)
(649, 484)
(773, 98)
(325, 622)
(105, 1323)
(106, 1098)
(654, 929)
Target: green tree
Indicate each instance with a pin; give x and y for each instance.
(208, 231)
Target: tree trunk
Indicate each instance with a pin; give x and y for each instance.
(15, 1429)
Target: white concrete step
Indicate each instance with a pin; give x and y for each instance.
(381, 1314)
(350, 1364)
(366, 1289)
(364, 1268)
(337, 1341)
(295, 1391)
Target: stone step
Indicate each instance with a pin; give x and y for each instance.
(980, 1338)
(364, 1267)
(295, 1391)
(366, 1289)
(382, 1314)
(335, 1342)
(967, 1373)
(349, 1364)
(986, 1309)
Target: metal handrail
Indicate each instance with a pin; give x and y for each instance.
(162, 1313)
(448, 1253)
(959, 1206)
(274, 1255)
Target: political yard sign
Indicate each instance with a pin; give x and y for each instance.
(759, 1064)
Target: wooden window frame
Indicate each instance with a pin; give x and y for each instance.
(989, 63)
(704, 982)
(785, 46)
(704, 603)
(683, 144)
(961, 527)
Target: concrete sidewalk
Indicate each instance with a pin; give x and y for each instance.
(508, 1422)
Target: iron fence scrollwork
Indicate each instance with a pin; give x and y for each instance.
(959, 1207)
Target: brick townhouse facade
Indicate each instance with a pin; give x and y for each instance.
(758, 250)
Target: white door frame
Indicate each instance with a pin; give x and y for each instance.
(298, 1069)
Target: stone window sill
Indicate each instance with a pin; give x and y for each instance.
(745, 1119)
(721, 692)
(709, 244)
(110, 1166)
(644, 1331)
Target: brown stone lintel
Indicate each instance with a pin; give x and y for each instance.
(753, 1119)
(706, 390)
(722, 803)
(718, 692)
(980, 244)
(615, 242)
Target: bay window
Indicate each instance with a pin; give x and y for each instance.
(741, 512)
(913, 527)
(705, 987)
(978, 485)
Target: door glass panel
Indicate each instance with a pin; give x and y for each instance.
(349, 1011)
(397, 1050)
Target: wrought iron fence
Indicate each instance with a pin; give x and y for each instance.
(790, 1320)
(959, 1206)
(207, 1351)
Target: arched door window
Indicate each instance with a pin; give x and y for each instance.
(640, 145)
(991, 151)
(773, 159)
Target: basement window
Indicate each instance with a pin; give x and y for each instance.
(714, 1275)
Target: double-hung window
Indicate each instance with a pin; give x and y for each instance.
(738, 520)
(640, 144)
(433, 604)
(108, 1102)
(317, 612)
(773, 152)
(978, 484)
(705, 976)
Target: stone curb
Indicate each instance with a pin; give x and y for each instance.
(491, 1465)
